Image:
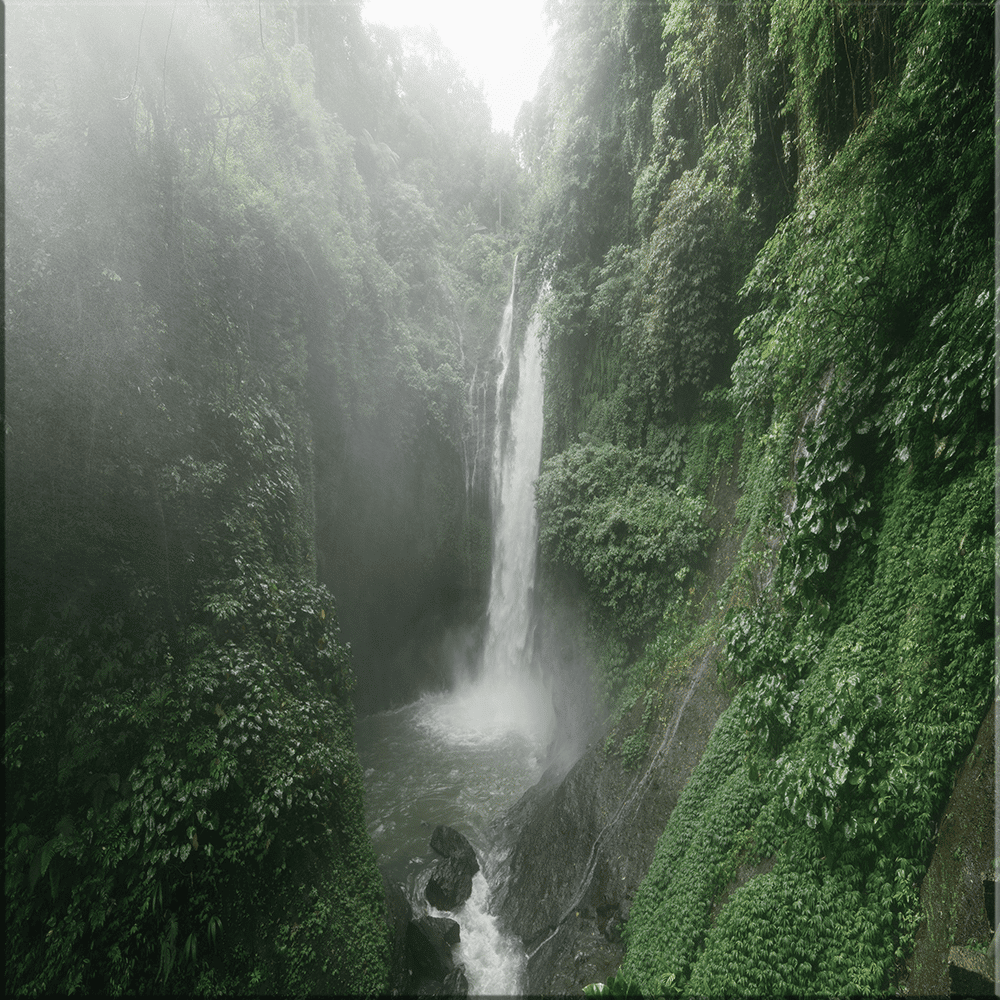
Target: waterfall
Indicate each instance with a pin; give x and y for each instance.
(516, 458)
(459, 757)
(508, 695)
(503, 352)
(474, 442)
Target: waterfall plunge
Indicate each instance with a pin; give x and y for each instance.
(508, 695)
(459, 757)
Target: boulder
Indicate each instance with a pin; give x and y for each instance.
(450, 884)
(429, 944)
(455, 983)
(449, 930)
(449, 843)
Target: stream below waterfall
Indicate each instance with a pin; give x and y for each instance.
(450, 759)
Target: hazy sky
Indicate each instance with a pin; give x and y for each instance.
(501, 45)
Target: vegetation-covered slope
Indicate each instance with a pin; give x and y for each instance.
(798, 255)
(252, 253)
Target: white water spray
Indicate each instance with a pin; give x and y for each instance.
(507, 695)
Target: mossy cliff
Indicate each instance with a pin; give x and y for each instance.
(797, 287)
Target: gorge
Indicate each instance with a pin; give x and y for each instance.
(618, 492)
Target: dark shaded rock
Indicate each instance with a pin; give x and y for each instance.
(449, 843)
(576, 952)
(951, 894)
(577, 848)
(455, 983)
(398, 914)
(449, 930)
(970, 974)
(450, 884)
(990, 902)
(429, 951)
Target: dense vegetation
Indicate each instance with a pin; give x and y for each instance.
(255, 259)
(253, 255)
(778, 222)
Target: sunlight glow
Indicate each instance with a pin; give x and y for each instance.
(501, 46)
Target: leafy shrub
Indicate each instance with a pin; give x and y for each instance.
(604, 512)
(680, 345)
(173, 826)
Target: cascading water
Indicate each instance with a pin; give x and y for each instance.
(461, 757)
(507, 695)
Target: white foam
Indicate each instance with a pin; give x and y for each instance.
(488, 709)
(494, 963)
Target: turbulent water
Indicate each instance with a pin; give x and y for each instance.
(461, 757)
(426, 764)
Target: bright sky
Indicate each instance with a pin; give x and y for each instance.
(501, 45)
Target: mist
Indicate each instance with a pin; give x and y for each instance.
(242, 231)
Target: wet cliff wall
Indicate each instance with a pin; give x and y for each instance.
(813, 281)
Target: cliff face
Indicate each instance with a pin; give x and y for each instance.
(801, 257)
(579, 844)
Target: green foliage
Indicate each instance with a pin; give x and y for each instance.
(606, 512)
(866, 268)
(840, 55)
(193, 809)
(633, 749)
(693, 860)
(617, 986)
(680, 344)
(863, 663)
(711, 447)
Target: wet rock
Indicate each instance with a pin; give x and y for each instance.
(449, 843)
(576, 952)
(428, 943)
(455, 983)
(952, 893)
(398, 914)
(577, 847)
(449, 930)
(450, 884)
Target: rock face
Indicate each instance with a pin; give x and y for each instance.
(580, 846)
(450, 884)
(969, 973)
(952, 894)
(399, 914)
(429, 940)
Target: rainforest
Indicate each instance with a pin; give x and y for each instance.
(618, 491)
